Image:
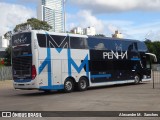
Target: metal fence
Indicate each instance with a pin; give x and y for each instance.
(5, 73)
(156, 76)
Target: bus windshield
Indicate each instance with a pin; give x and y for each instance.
(21, 44)
(21, 56)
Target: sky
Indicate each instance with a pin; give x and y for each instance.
(135, 19)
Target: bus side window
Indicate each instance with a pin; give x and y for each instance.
(78, 43)
(42, 40)
(97, 44)
(100, 46)
(142, 47)
(55, 41)
(148, 63)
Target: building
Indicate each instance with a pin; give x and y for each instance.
(51, 11)
(4, 43)
(117, 34)
(77, 30)
(89, 31)
(86, 31)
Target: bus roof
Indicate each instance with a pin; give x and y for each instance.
(61, 34)
(110, 38)
(77, 35)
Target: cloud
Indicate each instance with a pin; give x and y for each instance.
(12, 14)
(110, 6)
(149, 30)
(21, 1)
(85, 18)
(28, 1)
(129, 29)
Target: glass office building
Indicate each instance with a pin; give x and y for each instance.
(51, 11)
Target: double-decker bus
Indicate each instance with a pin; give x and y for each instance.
(60, 61)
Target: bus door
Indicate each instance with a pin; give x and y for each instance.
(146, 64)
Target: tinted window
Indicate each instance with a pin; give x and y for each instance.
(42, 40)
(53, 41)
(21, 44)
(20, 39)
(100, 44)
(112, 44)
(129, 45)
(78, 43)
(142, 47)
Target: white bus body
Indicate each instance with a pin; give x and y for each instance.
(45, 64)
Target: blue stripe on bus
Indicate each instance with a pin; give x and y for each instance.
(101, 76)
(135, 59)
(83, 64)
(23, 81)
(59, 50)
(49, 67)
(53, 87)
(47, 62)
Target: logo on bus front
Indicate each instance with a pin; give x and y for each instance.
(21, 40)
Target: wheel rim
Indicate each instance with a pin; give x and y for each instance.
(136, 79)
(68, 85)
(83, 84)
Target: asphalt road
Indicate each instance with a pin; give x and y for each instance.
(113, 98)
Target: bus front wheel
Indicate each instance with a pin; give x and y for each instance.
(136, 79)
(82, 84)
(68, 85)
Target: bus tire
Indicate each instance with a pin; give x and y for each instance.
(82, 84)
(136, 79)
(68, 85)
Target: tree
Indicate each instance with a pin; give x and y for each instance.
(8, 35)
(7, 60)
(33, 24)
(154, 47)
(100, 35)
